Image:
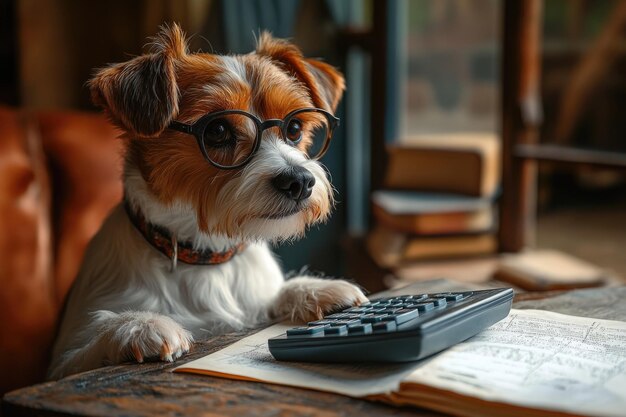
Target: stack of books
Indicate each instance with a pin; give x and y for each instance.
(438, 201)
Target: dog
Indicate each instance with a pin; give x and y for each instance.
(217, 164)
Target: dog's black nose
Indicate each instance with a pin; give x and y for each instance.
(296, 183)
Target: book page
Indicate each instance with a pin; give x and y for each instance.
(532, 358)
(412, 202)
(538, 359)
(250, 358)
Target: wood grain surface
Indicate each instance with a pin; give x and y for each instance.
(153, 389)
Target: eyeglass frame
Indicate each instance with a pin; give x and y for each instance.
(198, 127)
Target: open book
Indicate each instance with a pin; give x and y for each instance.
(532, 363)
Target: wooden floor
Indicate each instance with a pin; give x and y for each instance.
(595, 234)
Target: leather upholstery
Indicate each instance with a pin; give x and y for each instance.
(60, 174)
(85, 157)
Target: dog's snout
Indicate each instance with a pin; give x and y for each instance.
(296, 183)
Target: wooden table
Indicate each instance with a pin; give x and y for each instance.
(152, 389)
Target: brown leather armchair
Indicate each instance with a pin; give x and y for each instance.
(60, 174)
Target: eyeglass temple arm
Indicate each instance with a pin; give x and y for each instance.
(181, 127)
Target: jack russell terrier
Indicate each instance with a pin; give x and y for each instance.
(221, 157)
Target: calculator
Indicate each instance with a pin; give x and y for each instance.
(394, 329)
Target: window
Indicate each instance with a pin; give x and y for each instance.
(450, 64)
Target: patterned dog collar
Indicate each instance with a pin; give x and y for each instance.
(166, 243)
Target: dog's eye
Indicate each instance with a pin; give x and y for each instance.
(294, 130)
(218, 133)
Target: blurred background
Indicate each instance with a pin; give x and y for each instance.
(472, 130)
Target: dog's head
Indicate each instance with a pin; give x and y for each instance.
(278, 190)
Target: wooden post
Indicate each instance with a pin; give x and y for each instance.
(9, 54)
(521, 116)
(379, 73)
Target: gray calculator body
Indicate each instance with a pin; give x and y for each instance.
(394, 329)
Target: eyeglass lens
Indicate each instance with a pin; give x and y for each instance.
(315, 132)
(230, 139)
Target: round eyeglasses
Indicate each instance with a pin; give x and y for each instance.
(229, 139)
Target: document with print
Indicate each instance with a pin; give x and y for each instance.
(532, 363)
(251, 359)
(538, 359)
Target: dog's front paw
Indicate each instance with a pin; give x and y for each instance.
(141, 335)
(304, 299)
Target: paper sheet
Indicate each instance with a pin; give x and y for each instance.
(409, 202)
(251, 358)
(532, 358)
(539, 359)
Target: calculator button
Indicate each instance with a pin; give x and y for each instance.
(321, 323)
(438, 302)
(336, 316)
(356, 310)
(384, 326)
(391, 310)
(450, 296)
(372, 318)
(336, 331)
(304, 331)
(416, 297)
(422, 307)
(343, 316)
(365, 328)
(403, 316)
(349, 323)
(369, 304)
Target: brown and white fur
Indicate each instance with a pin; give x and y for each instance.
(127, 303)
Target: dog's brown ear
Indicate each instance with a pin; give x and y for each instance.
(325, 83)
(141, 95)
